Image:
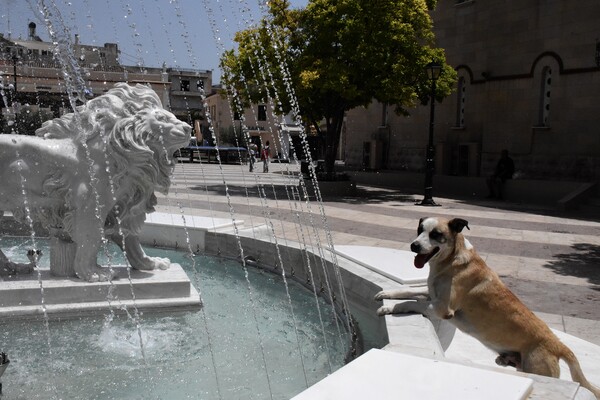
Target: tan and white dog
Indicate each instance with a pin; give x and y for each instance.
(462, 289)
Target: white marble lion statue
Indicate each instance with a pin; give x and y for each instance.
(91, 175)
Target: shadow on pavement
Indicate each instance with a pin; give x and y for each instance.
(379, 195)
(271, 192)
(583, 262)
(373, 195)
(284, 192)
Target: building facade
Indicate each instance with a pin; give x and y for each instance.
(30, 74)
(528, 82)
(260, 123)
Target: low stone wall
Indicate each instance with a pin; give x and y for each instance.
(314, 271)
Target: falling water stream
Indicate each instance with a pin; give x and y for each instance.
(21, 168)
(252, 324)
(235, 99)
(76, 90)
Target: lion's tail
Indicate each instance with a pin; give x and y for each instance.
(576, 372)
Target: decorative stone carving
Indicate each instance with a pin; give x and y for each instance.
(91, 175)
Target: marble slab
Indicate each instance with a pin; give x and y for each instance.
(383, 375)
(394, 264)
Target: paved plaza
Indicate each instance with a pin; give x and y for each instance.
(549, 258)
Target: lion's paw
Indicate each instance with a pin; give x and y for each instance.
(382, 295)
(384, 310)
(151, 263)
(162, 263)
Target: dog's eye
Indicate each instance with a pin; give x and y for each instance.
(420, 229)
(435, 235)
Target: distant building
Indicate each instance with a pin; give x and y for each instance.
(40, 80)
(188, 89)
(259, 122)
(529, 81)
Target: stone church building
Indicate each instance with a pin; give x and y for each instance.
(529, 82)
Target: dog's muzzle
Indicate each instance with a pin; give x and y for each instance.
(421, 259)
(415, 247)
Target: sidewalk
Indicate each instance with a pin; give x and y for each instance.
(550, 259)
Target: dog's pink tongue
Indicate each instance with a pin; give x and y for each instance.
(420, 260)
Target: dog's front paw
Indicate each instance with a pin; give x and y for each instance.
(384, 310)
(382, 295)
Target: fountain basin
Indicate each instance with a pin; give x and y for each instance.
(236, 346)
(362, 274)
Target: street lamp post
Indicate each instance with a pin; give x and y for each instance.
(14, 60)
(433, 72)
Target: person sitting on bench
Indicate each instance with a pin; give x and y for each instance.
(504, 170)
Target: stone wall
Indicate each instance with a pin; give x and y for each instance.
(515, 58)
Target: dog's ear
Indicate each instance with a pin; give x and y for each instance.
(458, 224)
(420, 227)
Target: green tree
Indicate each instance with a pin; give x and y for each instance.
(335, 55)
(230, 136)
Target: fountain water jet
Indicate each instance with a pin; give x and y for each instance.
(104, 216)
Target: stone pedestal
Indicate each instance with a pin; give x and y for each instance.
(20, 296)
(62, 255)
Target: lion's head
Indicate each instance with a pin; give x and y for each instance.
(132, 137)
(148, 138)
(141, 149)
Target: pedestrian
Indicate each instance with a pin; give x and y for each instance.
(505, 168)
(264, 155)
(252, 155)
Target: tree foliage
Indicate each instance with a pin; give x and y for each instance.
(335, 55)
(231, 137)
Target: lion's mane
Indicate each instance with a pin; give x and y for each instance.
(134, 158)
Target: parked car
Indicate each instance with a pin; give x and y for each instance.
(208, 154)
(186, 151)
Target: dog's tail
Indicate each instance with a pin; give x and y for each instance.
(576, 372)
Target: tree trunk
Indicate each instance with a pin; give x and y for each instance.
(332, 140)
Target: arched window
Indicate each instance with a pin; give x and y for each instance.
(544, 107)
(460, 103)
